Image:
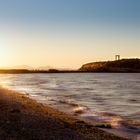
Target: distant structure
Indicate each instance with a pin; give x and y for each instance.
(117, 57)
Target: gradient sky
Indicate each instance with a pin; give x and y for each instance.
(67, 33)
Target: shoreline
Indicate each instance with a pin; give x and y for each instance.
(25, 118)
(62, 72)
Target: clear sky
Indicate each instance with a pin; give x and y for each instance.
(67, 33)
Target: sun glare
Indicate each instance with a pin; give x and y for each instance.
(2, 50)
(3, 53)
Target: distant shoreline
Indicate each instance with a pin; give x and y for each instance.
(58, 72)
(117, 66)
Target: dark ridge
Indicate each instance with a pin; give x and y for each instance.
(123, 65)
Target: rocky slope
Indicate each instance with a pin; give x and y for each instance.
(123, 65)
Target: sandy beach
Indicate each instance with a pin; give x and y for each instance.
(25, 119)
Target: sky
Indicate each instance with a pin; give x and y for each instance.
(67, 33)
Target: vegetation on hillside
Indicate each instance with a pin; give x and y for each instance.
(123, 65)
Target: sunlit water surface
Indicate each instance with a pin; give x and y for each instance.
(112, 98)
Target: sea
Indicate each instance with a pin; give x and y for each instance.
(109, 101)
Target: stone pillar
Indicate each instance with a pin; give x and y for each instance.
(117, 57)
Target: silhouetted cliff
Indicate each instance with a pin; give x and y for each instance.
(123, 65)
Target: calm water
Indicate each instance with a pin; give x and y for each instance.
(106, 97)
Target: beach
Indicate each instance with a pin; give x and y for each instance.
(26, 119)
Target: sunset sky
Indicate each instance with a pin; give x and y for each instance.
(67, 33)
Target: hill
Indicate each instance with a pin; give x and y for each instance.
(123, 65)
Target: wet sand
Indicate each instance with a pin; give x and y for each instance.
(22, 118)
